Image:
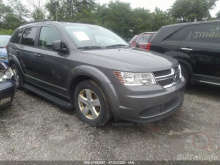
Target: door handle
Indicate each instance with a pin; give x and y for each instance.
(187, 49)
(37, 55)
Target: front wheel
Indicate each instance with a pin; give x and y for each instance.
(18, 77)
(91, 104)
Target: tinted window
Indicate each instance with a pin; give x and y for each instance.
(207, 33)
(16, 37)
(47, 36)
(181, 34)
(29, 36)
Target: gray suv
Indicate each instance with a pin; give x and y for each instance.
(93, 70)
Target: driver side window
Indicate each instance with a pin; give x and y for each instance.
(47, 36)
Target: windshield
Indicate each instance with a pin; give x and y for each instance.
(4, 41)
(92, 36)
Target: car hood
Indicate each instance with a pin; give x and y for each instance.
(136, 60)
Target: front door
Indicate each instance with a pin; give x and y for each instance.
(50, 66)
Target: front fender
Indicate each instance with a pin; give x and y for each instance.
(101, 79)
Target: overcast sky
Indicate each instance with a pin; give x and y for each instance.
(152, 4)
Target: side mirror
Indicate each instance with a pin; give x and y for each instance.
(59, 46)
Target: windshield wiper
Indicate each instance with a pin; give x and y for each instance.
(90, 47)
(117, 45)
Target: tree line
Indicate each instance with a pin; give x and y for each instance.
(117, 16)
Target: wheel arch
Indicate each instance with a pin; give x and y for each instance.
(188, 67)
(13, 60)
(83, 73)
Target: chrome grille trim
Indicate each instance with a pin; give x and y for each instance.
(172, 72)
(175, 75)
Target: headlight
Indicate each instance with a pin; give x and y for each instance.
(135, 79)
(7, 75)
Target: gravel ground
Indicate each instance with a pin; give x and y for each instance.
(34, 129)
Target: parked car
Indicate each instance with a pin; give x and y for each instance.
(92, 69)
(195, 46)
(7, 85)
(141, 40)
(3, 53)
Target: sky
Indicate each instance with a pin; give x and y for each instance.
(152, 4)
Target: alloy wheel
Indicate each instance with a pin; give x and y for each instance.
(89, 104)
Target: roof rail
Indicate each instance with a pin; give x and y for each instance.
(43, 20)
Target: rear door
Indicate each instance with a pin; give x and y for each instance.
(14, 47)
(203, 47)
(28, 52)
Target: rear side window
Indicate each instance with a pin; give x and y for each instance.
(207, 33)
(29, 35)
(145, 39)
(181, 34)
(47, 36)
(16, 37)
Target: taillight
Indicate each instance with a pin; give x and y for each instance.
(6, 47)
(148, 46)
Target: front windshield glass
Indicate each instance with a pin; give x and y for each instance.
(93, 36)
(4, 41)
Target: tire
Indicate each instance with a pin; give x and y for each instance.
(18, 76)
(91, 104)
(185, 74)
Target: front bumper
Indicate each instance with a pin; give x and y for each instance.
(7, 91)
(146, 103)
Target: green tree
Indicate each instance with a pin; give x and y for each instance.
(38, 8)
(71, 10)
(19, 10)
(117, 16)
(38, 14)
(12, 16)
(142, 20)
(161, 18)
(192, 10)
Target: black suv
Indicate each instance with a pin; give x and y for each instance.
(92, 69)
(196, 46)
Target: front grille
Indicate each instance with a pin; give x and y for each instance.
(151, 111)
(161, 108)
(162, 73)
(166, 82)
(168, 78)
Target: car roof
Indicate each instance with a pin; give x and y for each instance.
(192, 23)
(55, 23)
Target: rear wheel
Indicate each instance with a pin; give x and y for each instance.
(17, 76)
(185, 73)
(91, 104)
